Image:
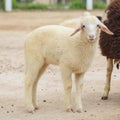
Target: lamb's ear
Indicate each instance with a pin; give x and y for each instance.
(99, 18)
(105, 29)
(76, 30)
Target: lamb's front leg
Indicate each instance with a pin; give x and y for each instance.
(79, 86)
(67, 81)
(108, 78)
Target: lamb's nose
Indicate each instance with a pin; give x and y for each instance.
(91, 37)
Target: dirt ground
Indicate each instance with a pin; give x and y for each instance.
(14, 27)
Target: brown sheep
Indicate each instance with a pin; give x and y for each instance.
(110, 45)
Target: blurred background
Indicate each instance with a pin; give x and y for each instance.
(54, 4)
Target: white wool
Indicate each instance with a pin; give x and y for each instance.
(73, 23)
(55, 48)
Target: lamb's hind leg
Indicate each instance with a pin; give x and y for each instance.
(108, 78)
(34, 91)
(33, 66)
(67, 80)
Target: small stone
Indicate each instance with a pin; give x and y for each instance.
(2, 107)
(12, 105)
(44, 100)
(92, 115)
(7, 111)
(98, 104)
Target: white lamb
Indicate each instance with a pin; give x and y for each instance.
(71, 49)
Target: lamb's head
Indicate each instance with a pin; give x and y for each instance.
(89, 28)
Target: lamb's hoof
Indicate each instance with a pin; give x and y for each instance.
(73, 110)
(104, 98)
(36, 107)
(31, 109)
(68, 110)
(79, 110)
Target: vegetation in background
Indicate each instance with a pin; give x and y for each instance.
(99, 5)
(81, 4)
(29, 6)
(74, 4)
(2, 4)
(25, 5)
(14, 4)
(77, 4)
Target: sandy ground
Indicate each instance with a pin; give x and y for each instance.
(13, 29)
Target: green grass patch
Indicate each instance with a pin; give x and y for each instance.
(77, 4)
(25, 5)
(99, 5)
(29, 6)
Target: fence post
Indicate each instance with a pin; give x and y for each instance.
(89, 4)
(8, 5)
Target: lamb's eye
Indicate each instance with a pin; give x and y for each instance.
(98, 26)
(83, 26)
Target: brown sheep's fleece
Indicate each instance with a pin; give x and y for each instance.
(110, 44)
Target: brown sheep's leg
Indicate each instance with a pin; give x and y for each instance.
(108, 79)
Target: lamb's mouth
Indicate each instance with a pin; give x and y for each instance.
(91, 40)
